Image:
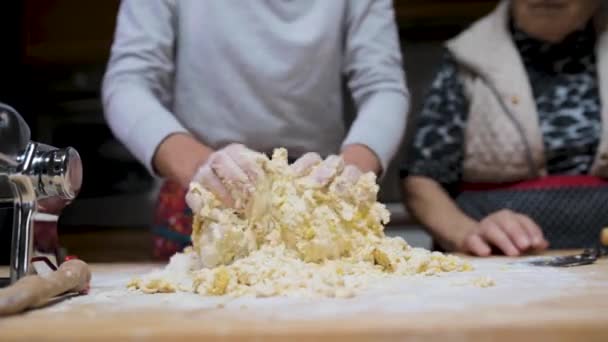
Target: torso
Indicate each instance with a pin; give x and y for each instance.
(565, 90)
(275, 77)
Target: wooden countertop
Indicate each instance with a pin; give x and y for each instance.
(579, 313)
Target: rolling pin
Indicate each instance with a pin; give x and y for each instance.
(34, 290)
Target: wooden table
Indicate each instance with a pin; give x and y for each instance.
(579, 315)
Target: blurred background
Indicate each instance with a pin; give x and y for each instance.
(53, 58)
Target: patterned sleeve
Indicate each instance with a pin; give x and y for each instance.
(437, 147)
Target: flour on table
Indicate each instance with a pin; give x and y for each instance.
(484, 281)
(290, 237)
(517, 284)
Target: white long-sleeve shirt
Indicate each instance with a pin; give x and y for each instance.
(265, 73)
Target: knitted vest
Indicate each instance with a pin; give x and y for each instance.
(506, 144)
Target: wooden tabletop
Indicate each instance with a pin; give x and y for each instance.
(577, 314)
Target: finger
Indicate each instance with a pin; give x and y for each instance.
(348, 178)
(305, 163)
(351, 174)
(194, 201)
(543, 245)
(325, 172)
(214, 184)
(534, 232)
(474, 244)
(246, 160)
(512, 226)
(227, 169)
(493, 233)
(233, 178)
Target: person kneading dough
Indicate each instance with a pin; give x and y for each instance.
(188, 79)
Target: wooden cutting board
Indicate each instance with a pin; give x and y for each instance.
(576, 312)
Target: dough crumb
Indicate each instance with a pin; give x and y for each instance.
(484, 282)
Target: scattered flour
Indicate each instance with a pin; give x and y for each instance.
(484, 282)
(516, 284)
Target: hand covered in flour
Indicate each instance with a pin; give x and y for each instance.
(310, 168)
(231, 174)
(510, 232)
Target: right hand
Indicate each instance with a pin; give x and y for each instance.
(319, 173)
(231, 174)
(510, 232)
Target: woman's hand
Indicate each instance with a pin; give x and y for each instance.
(506, 230)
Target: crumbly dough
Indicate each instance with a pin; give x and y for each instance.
(290, 237)
(484, 282)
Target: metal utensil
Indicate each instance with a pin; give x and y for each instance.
(30, 172)
(588, 256)
(14, 133)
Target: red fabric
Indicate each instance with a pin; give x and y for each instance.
(171, 214)
(45, 233)
(45, 236)
(549, 182)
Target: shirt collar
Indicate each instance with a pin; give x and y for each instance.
(555, 57)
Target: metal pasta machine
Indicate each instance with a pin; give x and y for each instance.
(30, 172)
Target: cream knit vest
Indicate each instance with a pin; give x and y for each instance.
(494, 148)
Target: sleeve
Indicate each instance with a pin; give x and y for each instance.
(137, 86)
(438, 143)
(374, 71)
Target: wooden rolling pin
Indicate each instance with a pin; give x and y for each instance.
(34, 290)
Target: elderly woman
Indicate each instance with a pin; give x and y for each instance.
(511, 147)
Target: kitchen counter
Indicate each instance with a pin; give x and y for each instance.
(526, 304)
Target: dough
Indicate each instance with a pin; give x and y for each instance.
(484, 282)
(292, 239)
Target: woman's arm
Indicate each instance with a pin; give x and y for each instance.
(374, 71)
(138, 90)
(434, 161)
(179, 156)
(433, 207)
